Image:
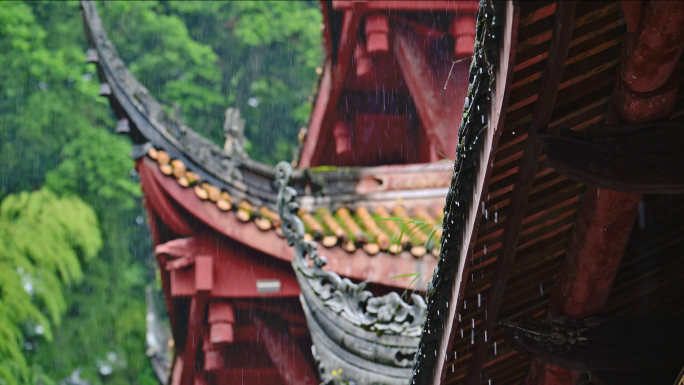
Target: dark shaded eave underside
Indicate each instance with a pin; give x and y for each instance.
(584, 94)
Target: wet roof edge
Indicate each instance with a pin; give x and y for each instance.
(242, 177)
(490, 79)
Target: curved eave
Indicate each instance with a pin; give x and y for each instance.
(249, 182)
(240, 176)
(149, 123)
(164, 192)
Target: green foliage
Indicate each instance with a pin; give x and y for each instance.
(268, 51)
(43, 240)
(56, 133)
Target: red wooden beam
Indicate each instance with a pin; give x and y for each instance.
(432, 97)
(319, 134)
(551, 78)
(599, 237)
(204, 282)
(409, 6)
(652, 53)
(288, 360)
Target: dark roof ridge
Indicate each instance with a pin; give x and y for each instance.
(145, 121)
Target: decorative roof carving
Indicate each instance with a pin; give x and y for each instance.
(372, 339)
(599, 344)
(234, 133)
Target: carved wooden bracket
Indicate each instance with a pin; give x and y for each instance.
(600, 345)
(645, 158)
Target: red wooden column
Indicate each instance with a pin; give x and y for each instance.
(645, 91)
(284, 353)
(204, 282)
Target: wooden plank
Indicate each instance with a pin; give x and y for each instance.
(560, 43)
(312, 154)
(282, 348)
(496, 118)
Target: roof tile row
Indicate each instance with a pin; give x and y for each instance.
(418, 232)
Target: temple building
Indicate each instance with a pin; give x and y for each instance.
(563, 223)
(544, 252)
(244, 306)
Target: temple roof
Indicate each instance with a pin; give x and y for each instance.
(506, 84)
(342, 207)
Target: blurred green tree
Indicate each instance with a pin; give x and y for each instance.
(55, 133)
(258, 56)
(43, 240)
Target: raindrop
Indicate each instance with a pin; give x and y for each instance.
(472, 337)
(541, 289)
(253, 102)
(461, 333)
(139, 220)
(42, 86)
(496, 217)
(29, 288)
(485, 249)
(111, 356)
(495, 348)
(464, 305)
(479, 300)
(485, 336)
(28, 346)
(105, 370)
(40, 329)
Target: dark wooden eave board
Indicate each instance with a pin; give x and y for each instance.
(461, 223)
(551, 78)
(495, 121)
